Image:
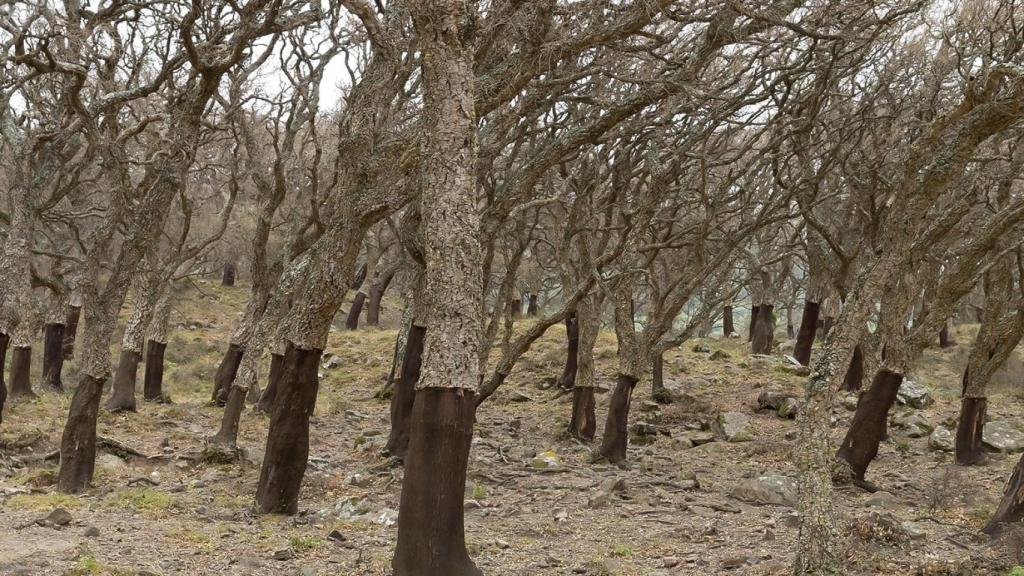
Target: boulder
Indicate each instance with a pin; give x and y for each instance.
(913, 425)
(548, 459)
(914, 394)
(789, 408)
(941, 439)
(733, 427)
(1003, 437)
(772, 489)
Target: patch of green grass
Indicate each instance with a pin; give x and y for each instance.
(87, 564)
(479, 492)
(302, 544)
(622, 551)
(145, 499)
(1015, 571)
(45, 501)
(193, 538)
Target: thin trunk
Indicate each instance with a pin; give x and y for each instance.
(868, 428)
(764, 330)
(727, 325)
(969, 431)
(808, 328)
(226, 373)
(4, 341)
(153, 383)
(21, 366)
(1011, 507)
(613, 446)
(516, 307)
(53, 356)
(854, 378)
(826, 327)
(228, 276)
(71, 330)
(572, 336)
(376, 297)
(122, 396)
(531, 308)
(266, 403)
(284, 460)
(789, 323)
(944, 340)
(583, 423)
(403, 397)
(659, 393)
(755, 312)
(352, 321)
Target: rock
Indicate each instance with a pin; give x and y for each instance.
(520, 397)
(771, 400)
(548, 459)
(607, 490)
(502, 544)
(336, 536)
(58, 517)
(913, 425)
(1003, 436)
(649, 406)
(734, 562)
(91, 532)
(719, 355)
(733, 427)
(643, 429)
(111, 463)
(789, 408)
(913, 531)
(849, 401)
(669, 562)
(771, 489)
(941, 439)
(332, 363)
(701, 348)
(284, 554)
(882, 499)
(359, 480)
(699, 438)
(914, 394)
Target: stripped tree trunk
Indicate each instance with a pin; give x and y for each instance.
(808, 328)
(868, 427)
(1011, 507)
(377, 291)
(156, 345)
(403, 397)
(764, 330)
(567, 380)
(854, 378)
(532, 309)
(53, 343)
(228, 277)
(727, 323)
(71, 329)
(122, 395)
(4, 341)
(583, 423)
(755, 314)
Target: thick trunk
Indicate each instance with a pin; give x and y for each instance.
(71, 330)
(431, 536)
(572, 334)
(854, 378)
(531, 308)
(583, 424)
(21, 367)
(266, 403)
(153, 381)
(727, 326)
(808, 328)
(53, 356)
(404, 395)
(376, 296)
(352, 321)
(226, 373)
(1011, 507)
(764, 330)
(228, 276)
(284, 460)
(78, 444)
(868, 428)
(755, 312)
(969, 430)
(227, 435)
(4, 341)
(613, 446)
(122, 395)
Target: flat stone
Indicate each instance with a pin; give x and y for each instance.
(733, 427)
(1003, 436)
(882, 499)
(773, 489)
(914, 394)
(548, 459)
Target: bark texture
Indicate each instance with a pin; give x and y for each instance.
(969, 430)
(616, 437)
(808, 328)
(122, 396)
(352, 320)
(1011, 507)
(763, 338)
(854, 378)
(404, 395)
(4, 341)
(572, 341)
(868, 427)
(78, 444)
(728, 329)
(21, 367)
(226, 373)
(153, 380)
(71, 330)
(53, 356)
(266, 403)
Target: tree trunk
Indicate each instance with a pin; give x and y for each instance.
(944, 340)
(21, 367)
(764, 330)
(969, 430)
(431, 540)
(404, 394)
(228, 277)
(613, 446)
(516, 306)
(153, 383)
(352, 321)
(359, 277)
(4, 341)
(1011, 507)
(826, 326)
(727, 325)
(532, 308)
(376, 296)
(754, 313)
(868, 428)
(808, 328)
(284, 460)
(572, 333)
(583, 423)
(226, 373)
(266, 403)
(854, 378)
(71, 330)
(659, 393)
(78, 444)
(53, 356)
(122, 395)
(789, 323)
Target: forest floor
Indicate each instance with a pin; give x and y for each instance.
(672, 511)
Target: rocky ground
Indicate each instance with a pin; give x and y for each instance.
(708, 489)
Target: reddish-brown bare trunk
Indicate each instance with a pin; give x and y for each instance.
(764, 330)
(122, 395)
(153, 380)
(71, 330)
(431, 535)
(78, 444)
(826, 327)
(754, 313)
(583, 423)
(228, 276)
(352, 320)
(516, 308)
(613, 445)
(284, 460)
(572, 337)
(266, 403)
(969, 430)
(226, 373)
(4, 341)
(808, 328)
(727, 325)
(868, 428)
(376, 297)
(854, 378)
(53, 356)
(531, 307)
(1011, 507)
(21, 368)
(404, 395)
(944, 340)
